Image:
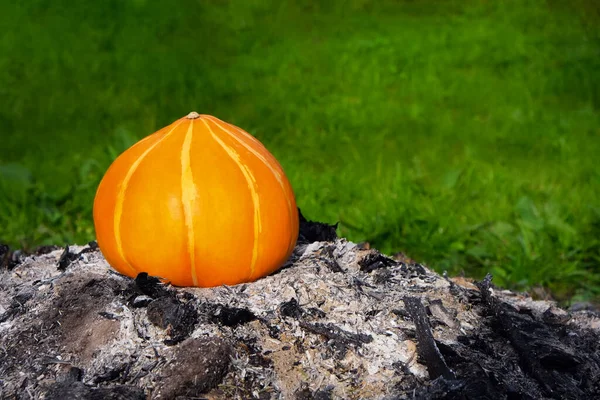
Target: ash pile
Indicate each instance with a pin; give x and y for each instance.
(338, 321)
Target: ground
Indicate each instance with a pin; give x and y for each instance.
(337, 321)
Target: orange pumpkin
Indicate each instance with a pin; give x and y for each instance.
(198, 203)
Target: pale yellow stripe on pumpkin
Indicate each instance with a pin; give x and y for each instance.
(249, 148)
(121, 195)
(188, 198)
(252, 185)
(276, 172)
(261, 157)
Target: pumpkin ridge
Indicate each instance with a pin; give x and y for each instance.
(252, 186)
(245, 135)
(250, 149)
(121, 198)
(188, 198)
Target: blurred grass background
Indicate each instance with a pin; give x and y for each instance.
(465, 134)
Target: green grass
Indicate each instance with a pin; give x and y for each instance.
(465, 134)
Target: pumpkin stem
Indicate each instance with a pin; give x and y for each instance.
(193, 115)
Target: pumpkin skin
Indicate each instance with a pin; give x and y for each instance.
(198, 203)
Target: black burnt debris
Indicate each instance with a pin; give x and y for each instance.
(426, 346)
(17, 305)
(340, 321)
(558, 361)
(337, 338)
(79, 391)
(177, 318)
(67, 256)
(149, 286)
(304, 393)
(327, 258)
(9, 258)
(311, 231)
(229, 316)
(374, 261)
(291, 308)
(4, 250)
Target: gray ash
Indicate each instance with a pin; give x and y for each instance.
(339, 321)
